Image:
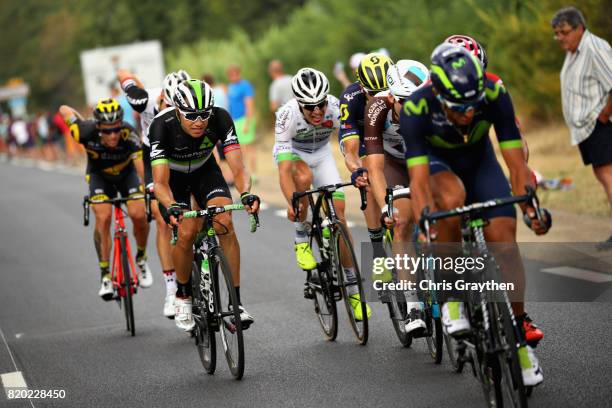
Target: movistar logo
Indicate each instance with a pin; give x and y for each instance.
(416, 109)
(458, 64)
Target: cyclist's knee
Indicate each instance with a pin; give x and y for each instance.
(450, 199)
(224, 224)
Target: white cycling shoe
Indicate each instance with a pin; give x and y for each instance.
(454, 320)
(169, 306)
(145, 277)
(415, 325)
(530, 367)
(245, 318)
(106, 291)
(183, 314)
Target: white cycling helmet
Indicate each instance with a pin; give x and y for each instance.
(171, 81)
(405, 77)
(310, 86)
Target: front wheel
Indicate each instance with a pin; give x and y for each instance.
(128, 301)
(227, 312)
(345, 265)
(322, 286)
(205, 339)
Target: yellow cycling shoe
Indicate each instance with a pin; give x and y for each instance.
(304, 257)
(356, 304)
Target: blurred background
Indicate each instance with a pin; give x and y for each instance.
(44, 43)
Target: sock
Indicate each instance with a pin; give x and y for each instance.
(238, 294)
(183, 290)
(301, 235)
(349, 273)
(103, 268)
(141, 254)
(376, 237)
(411, 296)
(170, 278)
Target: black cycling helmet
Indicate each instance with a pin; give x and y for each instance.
(107, 111)
(456, 74)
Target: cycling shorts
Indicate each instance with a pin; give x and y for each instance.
(205, 183)
(103, 187)
(323, 166)
(480, 172)
(396, 172)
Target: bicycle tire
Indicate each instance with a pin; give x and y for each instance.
(451, 345)
(510, 391)
(128, 301)
(324, 300)
(205, 339)
(360, 327)
(435, 342)
(397, 309)
(229, 321)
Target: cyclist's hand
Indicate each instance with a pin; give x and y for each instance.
(531, 220)
(359, 178)
(389, 223)
(291, 214)
(175, 213)
(433, 234)
(250, 202)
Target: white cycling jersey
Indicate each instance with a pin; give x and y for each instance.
(393, 142)
(298, 139)
(294, 133)
(147, 116)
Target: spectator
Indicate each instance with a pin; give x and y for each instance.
(280, 89)
(242, 109)
(341, 75)
(586, 85)
(219, 91)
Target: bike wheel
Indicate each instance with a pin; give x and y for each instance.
(205, 339)
(349, 286)
(324, 290)
(398, 315)
(128, 301)
(510, 390)
(227, 312)
(435, 342)
(451, 349)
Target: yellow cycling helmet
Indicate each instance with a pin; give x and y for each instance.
(372, 71)
(108, 111)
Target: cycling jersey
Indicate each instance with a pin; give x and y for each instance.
(294, 133)
(171, 145)
(425, 128)
(101, 159)
(352, 107)
(143, 101)
(464, 150)
(382, 134)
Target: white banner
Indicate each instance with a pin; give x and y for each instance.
(99, 67)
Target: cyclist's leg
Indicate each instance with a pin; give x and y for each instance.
(101, 189)
(372, 219)
(448, 192)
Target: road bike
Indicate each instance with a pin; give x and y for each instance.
(329, 283)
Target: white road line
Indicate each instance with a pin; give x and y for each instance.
(577, 273)
(8, 349)
(13, 380)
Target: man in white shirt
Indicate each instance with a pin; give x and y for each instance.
(280, 89)
(586, 89)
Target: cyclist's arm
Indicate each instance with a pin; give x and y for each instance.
(231, 149)
(69, 114)
(349, 136)
(161, 178)
(376, 115)
(284, 130)
(139, 165)
(136, 95)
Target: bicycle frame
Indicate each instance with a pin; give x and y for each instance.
(117, 269)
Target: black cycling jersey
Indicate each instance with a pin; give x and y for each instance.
(171, 145)
(352, 108)
(102, 159)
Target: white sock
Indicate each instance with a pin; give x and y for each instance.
(301, 235)
(349, 273)
(170, 278)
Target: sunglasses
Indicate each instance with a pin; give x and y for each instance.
(110, 131)
(459, 107)
(193, 116)
(561, 33)
(321, 105)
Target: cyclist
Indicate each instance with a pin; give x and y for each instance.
(304, 157)
(114, 164)
(385, 152)
(182, 140)
(148, 103)
(445, 126)
(371, 79)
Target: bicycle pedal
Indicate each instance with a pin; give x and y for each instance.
(246, 325)
(308, 293)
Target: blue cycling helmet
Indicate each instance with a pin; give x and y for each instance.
(457, 75)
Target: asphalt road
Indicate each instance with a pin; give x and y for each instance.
(60, 335)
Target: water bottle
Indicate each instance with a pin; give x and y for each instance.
(325, 232)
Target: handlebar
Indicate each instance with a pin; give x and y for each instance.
(212, 211)
(326, 189)
(117, 201)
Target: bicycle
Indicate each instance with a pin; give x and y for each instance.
(125, 281)
(329, 284)
(495, 343)
(210, 296)
(396, 302)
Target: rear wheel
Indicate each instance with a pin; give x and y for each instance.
(128, 303)
(398, 314)
(350, 285)
(205, 339)
(227, 312)
(435, 342)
